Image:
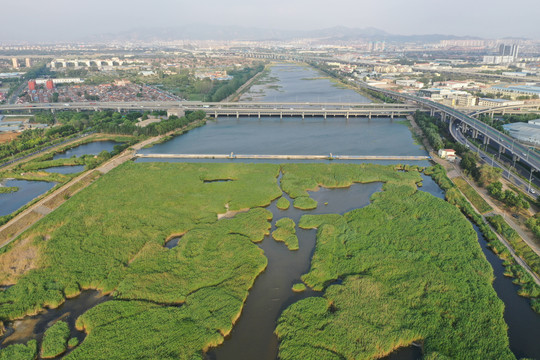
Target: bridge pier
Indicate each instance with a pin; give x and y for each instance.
(324, 116)
(281, 115)
(392, 115)
(369, 115)
(259, 115)
(303, 116)
(237, 115)
(347, 116)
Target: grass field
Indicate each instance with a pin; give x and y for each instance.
(411, 270)
(410, 265)
(480, 204)
(111, 235)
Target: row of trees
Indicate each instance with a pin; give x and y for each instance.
(507, 196)
(430, 127)
(69, 123)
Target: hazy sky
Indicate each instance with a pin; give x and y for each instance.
(50, 20)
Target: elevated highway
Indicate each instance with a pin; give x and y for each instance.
(509, 109)
(476, 127)
(237, 109)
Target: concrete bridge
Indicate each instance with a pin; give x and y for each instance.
(282, 157)
(509, 109)
(236, 109)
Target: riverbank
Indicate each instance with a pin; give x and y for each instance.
(216, 261)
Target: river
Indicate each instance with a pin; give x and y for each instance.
(252, 337)
(29, 190)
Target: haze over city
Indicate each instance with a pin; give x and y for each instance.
(65, 20)
(277, 180)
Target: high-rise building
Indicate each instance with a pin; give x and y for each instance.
(509, 50)
(32, 85)
(15, 63)
(28, 62)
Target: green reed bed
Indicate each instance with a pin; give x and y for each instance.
(286, 231)
(412, 271)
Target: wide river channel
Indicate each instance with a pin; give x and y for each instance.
(252, 337)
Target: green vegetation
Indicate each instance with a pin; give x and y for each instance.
(55, 340)
(412, 250)
(479, 203)
(305, 203)
(411, 267)
(454, 197)
(19, 351)
(520, 247)
(7, 190)
(508, 197)
(429, 126)
(73, 342)
(283, 203)
(533, 223)
(286, 232)
(298, 287)
(110, 237)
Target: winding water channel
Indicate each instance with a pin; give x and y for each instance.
(252, 337)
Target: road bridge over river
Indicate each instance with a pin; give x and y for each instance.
(237, 109)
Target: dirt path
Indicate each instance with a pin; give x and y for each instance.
(24, 220)
(454, 171)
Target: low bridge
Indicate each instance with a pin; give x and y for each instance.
(283, 157)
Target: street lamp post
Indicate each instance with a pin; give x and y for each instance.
(530, 180)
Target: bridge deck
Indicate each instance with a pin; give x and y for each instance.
(284, 157)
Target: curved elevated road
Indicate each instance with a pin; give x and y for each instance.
(520, 151)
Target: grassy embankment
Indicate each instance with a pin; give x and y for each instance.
(520, 247)
(110, 237)
(478, 202)
(286, 231)
(33, 170)
(513, 269)
(412, 271)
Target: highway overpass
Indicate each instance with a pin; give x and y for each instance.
(490, 135)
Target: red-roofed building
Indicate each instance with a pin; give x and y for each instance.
(449, 154)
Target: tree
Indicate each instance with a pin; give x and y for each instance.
(488, 174)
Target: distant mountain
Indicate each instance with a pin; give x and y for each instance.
(217, 32)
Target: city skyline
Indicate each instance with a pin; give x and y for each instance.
(61, 20)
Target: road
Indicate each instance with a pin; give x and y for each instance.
(485, 158)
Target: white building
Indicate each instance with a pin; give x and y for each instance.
(60, 81)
